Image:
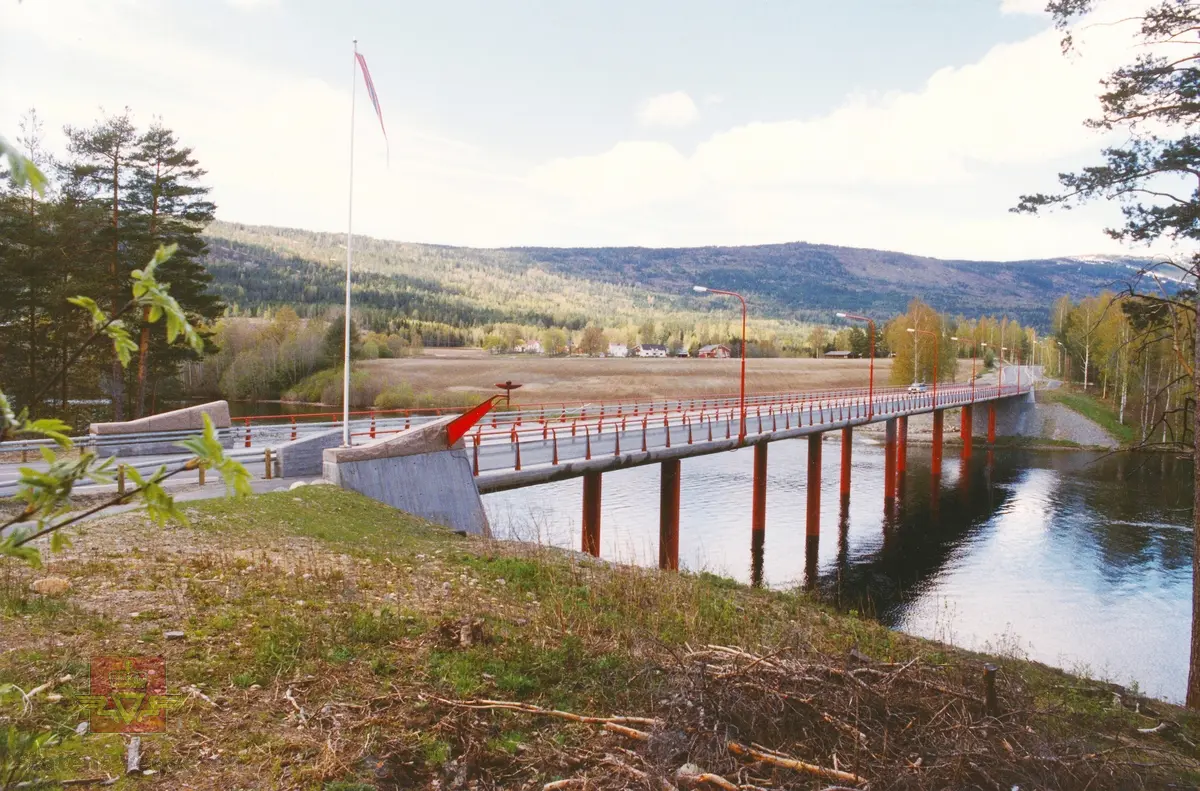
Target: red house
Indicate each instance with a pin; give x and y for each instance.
(714, 350)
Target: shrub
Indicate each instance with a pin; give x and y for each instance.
(325, 387)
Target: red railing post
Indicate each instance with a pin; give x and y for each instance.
(247, 432)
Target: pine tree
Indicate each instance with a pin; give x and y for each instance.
(173, 209)
(102, 166)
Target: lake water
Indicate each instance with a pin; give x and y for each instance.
(1075, 559)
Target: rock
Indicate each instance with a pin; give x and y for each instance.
(688, 770)
(174, 635)
(470, 633)
(297, 485)
(50, 586)
(82, 728)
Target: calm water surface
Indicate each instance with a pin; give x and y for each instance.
(1075, 559)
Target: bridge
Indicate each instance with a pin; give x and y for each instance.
(540, 443)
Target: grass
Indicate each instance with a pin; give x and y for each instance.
(325, 628)
(474, 372)
(1093, 409)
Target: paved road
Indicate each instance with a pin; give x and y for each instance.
(582, 431)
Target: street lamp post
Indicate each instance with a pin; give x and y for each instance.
(974, 353)
(1000, 386)
(871, 375)
(742, 387)
(933, 335)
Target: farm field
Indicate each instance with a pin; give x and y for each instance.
(585, 379)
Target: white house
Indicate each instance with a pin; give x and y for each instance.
(618, 350)
(651, 350)
(528, 347)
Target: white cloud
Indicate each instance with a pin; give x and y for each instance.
(1023, 6)
(929, 171)
(668, 109)
(253, 5)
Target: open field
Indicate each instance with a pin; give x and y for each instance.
(586, 378)
(326, 642)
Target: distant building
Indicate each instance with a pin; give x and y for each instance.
(618, 350)
(682, 353)
(528, 347)
(837, 355)
(717, 351)
(651, 350)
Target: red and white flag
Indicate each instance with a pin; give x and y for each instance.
(362, 62)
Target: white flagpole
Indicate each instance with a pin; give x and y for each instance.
(349, 258)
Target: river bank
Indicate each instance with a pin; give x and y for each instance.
(341, 642)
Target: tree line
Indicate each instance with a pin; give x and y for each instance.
(1132, 351)
(120, 194)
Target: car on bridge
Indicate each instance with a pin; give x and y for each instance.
(917, 387)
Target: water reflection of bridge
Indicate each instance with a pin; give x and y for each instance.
(1139, 499)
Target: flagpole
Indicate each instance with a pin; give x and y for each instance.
(349, 258)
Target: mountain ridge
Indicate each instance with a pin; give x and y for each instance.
(789, 281)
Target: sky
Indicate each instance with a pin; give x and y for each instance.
(908, 125)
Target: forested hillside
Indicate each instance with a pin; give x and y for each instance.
(256, 267)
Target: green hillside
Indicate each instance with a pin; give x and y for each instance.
(256, 266)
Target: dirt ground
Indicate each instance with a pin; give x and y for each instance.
(585, 378)
(318, 640)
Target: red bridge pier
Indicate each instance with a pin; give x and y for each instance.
(813, 523)
(591, 513)
(965, 430)
(847, 439)
(889, 461)
(668, 519)
(939, 416)
(991, 423)
(758, 518)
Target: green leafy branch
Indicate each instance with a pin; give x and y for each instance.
(21, 169)
(46, 494)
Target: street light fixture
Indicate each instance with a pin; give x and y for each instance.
(871, 376)
(933, 335)
(742, 387)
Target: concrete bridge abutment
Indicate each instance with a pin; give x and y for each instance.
(417, 471)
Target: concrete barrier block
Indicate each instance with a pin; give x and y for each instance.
(185, 419)
(304, 456)
(424, 438)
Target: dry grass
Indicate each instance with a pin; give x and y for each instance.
(331, 641)
(585, 379)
